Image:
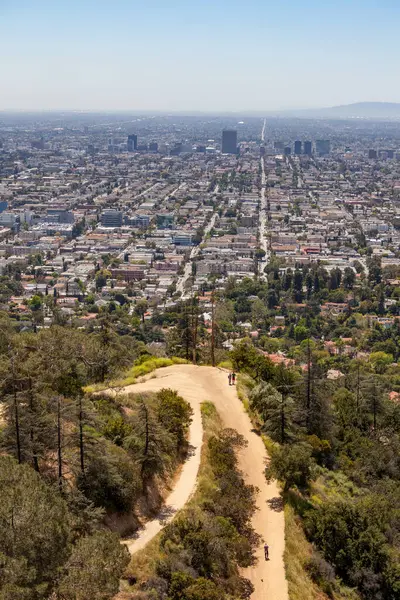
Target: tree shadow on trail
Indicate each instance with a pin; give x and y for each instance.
(276, 504)
(191, 451)
(166, 513)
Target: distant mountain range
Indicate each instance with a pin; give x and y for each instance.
(359, 110)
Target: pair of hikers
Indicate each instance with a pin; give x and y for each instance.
(232, 378)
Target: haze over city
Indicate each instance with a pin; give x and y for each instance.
(197, 56)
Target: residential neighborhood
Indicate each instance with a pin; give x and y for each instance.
(88, 216)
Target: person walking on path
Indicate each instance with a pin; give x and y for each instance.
(233, 378)
(266, 551)
(230, 378)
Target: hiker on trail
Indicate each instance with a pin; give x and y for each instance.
(230, 378)
(233, 378)
(266, 551)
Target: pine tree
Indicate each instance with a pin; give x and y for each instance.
(149, 440)
(94, 569)
(275, 410)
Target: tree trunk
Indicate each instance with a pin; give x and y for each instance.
(195, 320)
(59, 449)
(146, 429)
(308, 403)
(16, 412)
(187, 333)
(81, 443)
(358, 389)
(283, 420)
(146, 443)
(35, 461)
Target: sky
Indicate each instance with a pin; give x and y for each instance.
(197, 55)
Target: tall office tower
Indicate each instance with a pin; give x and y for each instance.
(297, 147)
(132, 142)
(287, 151)
(372, 153)
(229, 141)
(59, 215)
(176, 148)
(308, 148)
(111, 218)
(322, 147)
(153, 146)
(39, 145)
(390, 153)
(262, 150)
(279, 146)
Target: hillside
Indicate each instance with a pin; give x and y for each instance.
(358, 110)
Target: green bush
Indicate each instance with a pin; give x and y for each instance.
(292, 465)
(322, 573)
(175, 414)
(111, 480)
(353, 537)
(206, 544)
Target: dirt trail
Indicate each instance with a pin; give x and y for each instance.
(197, 384)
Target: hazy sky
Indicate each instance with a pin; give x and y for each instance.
(212, 55)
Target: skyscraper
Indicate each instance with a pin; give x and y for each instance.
(287, 150)
(322, 147)
(132, 142)
(111, 218)
(229, 141)
(297, 147)
(308, 148)
(372, 153)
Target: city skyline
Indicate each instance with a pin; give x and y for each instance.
(213, 57)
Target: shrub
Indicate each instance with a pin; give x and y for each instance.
(293, 465)
(111, 480)
(322, 573)
(174, 413)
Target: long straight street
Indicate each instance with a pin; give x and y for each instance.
(181, 283)
(263, 222)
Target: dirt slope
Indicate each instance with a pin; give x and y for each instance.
(197, 384)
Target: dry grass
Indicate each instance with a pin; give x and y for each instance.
(148, 366)
(143, 563)
(297, 552)
(243, 386)
(225, 364)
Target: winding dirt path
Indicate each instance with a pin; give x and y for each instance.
(197, 384)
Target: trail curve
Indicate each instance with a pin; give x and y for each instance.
(197, 384)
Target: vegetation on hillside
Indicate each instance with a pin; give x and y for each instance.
(47, 549)
(71, 460)
(336, 452)
(198, 556)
